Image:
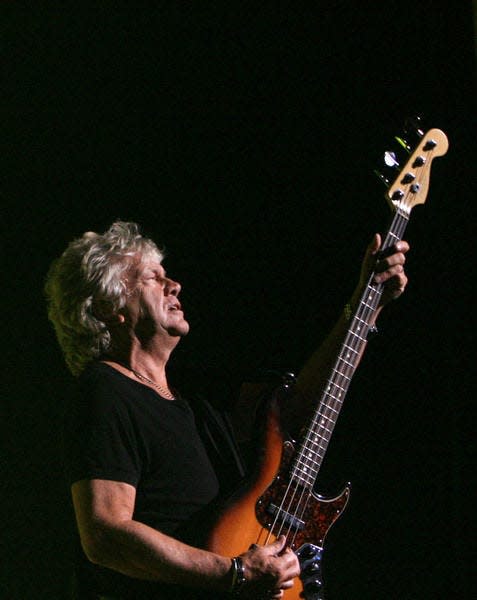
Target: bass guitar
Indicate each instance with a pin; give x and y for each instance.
(281, 499)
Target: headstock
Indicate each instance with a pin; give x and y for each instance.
(408, 185)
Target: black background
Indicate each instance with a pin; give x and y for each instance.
(243, 137)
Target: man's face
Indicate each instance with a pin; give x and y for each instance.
(153, 306)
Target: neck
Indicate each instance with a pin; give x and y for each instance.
(150, 374)
(146, 361)
(151, 354)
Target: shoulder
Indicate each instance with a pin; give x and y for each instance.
(100, 378)
(97, 373)
(103, 390)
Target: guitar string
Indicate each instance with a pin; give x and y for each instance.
(364, 312)
(303, 462)
(331, 403)
(315, 431)
(343, 373)
(328, 404)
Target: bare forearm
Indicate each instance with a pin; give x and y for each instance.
(317, 368)
(315, 373)
(113, 539)
(139, 551)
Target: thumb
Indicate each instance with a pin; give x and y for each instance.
(369, 258)
(277, 546)
(374, 245)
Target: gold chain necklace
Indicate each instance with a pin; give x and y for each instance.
(164, 392)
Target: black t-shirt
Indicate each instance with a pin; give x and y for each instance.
(122, 430)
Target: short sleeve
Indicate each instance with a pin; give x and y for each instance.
(99, 435)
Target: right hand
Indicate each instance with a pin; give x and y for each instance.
(269, 570)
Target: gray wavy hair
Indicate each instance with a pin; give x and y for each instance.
(88, 283)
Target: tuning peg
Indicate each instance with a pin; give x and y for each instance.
(390, 165)
(413, 125)
(390, 159)
(402, 146)
(412, 133)
(382, 177)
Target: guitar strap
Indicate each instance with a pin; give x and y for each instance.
(231, 459)
(217, 434)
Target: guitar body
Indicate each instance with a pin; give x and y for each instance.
(280, 499)
(251, 514)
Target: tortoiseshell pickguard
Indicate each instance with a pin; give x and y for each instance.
(305, 517)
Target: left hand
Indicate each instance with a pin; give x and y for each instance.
(389, 269)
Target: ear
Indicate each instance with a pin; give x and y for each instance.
(117, 319)
(102, 311)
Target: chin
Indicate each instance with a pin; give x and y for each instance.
(181, 330)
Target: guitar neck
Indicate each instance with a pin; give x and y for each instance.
(315, 442)
(409, 188)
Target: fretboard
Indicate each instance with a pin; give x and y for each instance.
(317, 436)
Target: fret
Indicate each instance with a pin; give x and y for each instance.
(342, 374)
(363, 303)
(362, 321)
(303, 473)
(350, 348)
(321, 417)
(315, 452)
(332, 409)
(316, 434)
(306, 463)
(308, 482)
(350, 360)
(328, 389)
(311, 444)
(304, 470)
(313, 436)
(310, 458)
(337, 398)
(346, 362)
(322, 426)
(314, 445)
(344, 381)
(373, 296)
(362, 339)
(397, 238)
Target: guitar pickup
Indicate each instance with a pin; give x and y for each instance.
(288, 519)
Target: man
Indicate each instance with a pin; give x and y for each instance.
(139, 471)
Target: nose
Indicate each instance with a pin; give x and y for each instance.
(172, 287)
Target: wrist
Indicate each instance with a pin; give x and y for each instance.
(238, 576)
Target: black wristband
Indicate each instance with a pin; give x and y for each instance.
(238, 576)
